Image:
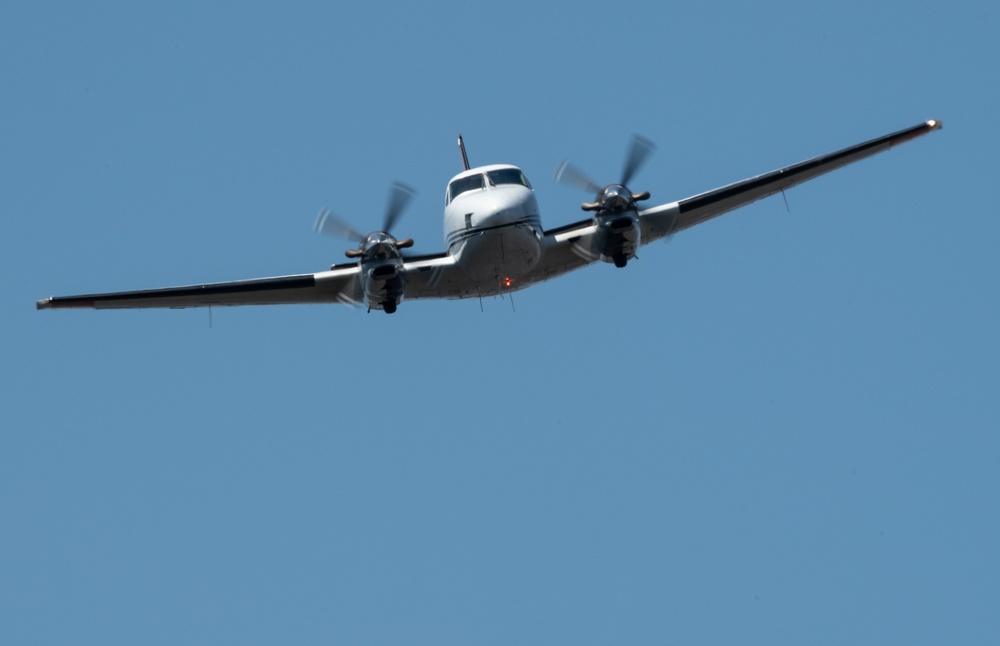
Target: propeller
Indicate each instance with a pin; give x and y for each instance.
(399, 197)
(570, 175)
(638, 153)
(327, 222)
(639, 150)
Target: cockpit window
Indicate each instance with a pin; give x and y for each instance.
(507, 176)
(459, 186)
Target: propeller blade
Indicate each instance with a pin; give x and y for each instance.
(399, 196)
(570, 175)
(639, 151)
(329, 224)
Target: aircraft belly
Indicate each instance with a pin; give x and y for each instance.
(496, 262)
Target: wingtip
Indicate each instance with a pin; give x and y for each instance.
(934, 124)
(62, 302)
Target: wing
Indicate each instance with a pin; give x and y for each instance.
(564, 249)
(339, 285)
(436, 276)
(430, 276)
(668, 219)
(568, 247)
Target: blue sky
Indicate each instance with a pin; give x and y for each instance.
(776, 427)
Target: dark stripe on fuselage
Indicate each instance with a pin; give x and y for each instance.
(457, 236)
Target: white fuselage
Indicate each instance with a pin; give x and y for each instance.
(492, 227)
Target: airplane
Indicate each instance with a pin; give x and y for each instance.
(494, 239)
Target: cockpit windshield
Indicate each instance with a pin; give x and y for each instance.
(464, 184)
(494, 178)
(507, 176)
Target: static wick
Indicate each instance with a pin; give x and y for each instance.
(786, 200)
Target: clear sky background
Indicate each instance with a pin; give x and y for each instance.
(773, 428)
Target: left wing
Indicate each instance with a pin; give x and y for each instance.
(568, 247)
(668, 219)
(564, 249)
(336, 286)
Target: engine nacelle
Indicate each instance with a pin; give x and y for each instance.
(617, 218)
(618, 237)
(384, 284)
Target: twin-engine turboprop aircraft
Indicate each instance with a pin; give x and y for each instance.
(494, 238)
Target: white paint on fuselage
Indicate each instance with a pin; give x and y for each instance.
(494, 232)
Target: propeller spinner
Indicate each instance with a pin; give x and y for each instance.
(377, 244)
(613, 198)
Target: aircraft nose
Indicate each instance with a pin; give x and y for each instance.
(509, 203)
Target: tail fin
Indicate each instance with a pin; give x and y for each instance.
(461, 148)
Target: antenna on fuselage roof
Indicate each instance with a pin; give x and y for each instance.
(461, 147)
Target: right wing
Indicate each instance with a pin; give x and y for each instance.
(429, 276)
(338, 285)
(435, 276)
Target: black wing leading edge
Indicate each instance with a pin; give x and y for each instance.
(324, 287)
